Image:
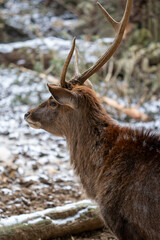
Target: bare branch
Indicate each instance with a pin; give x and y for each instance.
(76, 70)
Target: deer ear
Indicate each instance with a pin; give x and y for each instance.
(64, 96)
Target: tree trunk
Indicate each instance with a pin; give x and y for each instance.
(50, 223)
(145, 14)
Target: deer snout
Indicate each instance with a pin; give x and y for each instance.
(26, 115)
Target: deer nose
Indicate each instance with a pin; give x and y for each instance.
(26, 115)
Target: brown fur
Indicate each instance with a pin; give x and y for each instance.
(118, 167)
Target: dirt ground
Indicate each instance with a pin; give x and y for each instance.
(19, 196)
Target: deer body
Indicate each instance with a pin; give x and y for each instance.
(119, 167)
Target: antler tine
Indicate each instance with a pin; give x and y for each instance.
(119, 29)
(66, 64)
(76, 69)
(114, 23)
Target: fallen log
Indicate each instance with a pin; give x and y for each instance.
(50, 223)
(130, 111)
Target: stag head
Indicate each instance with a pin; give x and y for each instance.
(69, 100)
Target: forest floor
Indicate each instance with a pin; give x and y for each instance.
(35, 173)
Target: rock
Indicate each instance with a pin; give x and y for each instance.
(5, 155)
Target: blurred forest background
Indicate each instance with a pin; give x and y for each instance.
(35, 37)
(134, 71)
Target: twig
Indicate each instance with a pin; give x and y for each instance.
(49, 78)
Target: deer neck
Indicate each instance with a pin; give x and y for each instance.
(86, 143)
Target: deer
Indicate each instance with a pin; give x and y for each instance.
(118, 166)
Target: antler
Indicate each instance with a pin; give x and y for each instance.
(66, 64)
(119, 28)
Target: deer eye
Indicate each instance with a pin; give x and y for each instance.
(53, 103)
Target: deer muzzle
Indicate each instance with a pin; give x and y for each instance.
(33, 124)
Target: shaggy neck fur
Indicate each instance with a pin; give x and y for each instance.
(86, 140)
